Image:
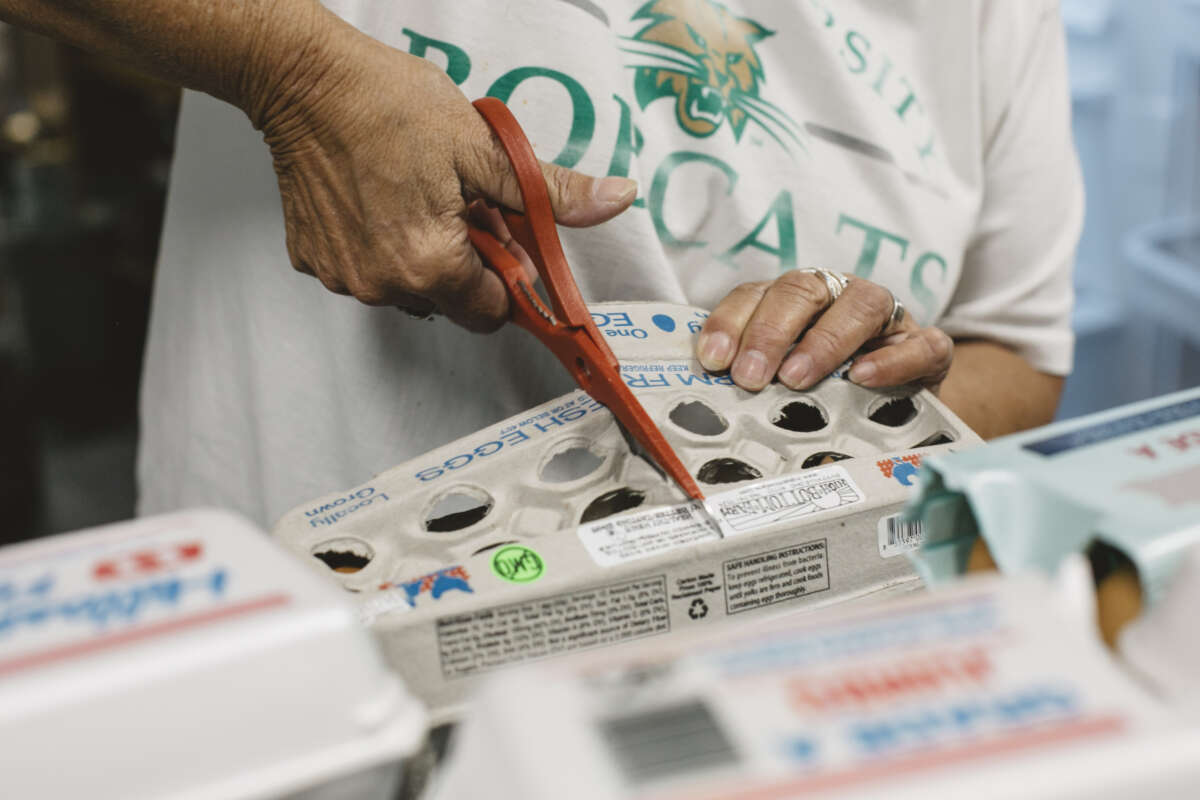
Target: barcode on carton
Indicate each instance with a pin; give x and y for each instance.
(667, 742)
(898, 536)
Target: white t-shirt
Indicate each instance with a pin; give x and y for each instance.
(923, 145)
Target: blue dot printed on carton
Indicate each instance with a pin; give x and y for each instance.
(663, 322)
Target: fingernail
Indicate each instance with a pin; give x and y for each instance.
(750, 370)
(795, 370)
(614, 190)
(862, 371)
(715, 350)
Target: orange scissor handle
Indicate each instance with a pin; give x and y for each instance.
(536, 229)
(527, 310)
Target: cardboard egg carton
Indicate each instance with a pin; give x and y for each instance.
(546, 534)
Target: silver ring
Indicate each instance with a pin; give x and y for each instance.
(895, 318)
(835, 282)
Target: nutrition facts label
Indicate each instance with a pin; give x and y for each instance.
(776, 576)
(469, 643)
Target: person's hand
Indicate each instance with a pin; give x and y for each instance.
(751, 333)
(379, 155)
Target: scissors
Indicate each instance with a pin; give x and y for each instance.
(567, 328)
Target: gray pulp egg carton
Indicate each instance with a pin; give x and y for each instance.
(545, 534)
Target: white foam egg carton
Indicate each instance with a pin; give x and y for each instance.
(188, 656)
(545, 534)
(991, 688)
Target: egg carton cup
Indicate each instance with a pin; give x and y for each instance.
(546, 534)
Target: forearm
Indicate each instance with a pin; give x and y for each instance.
(246, 52)
(996, 392)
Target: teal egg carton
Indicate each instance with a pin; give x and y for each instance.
(1124, 483)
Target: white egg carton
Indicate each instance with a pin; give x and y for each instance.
(992, 688)
(545, 534)
(185, 657)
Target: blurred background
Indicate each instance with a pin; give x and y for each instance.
(85, 149)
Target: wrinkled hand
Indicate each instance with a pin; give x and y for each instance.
(379, 156)
(753, 329)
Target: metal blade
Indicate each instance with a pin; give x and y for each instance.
(638, 450)
(700, 503)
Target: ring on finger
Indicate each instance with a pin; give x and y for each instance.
(834, 282)
(894, 319)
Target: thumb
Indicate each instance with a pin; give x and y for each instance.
(578, 200)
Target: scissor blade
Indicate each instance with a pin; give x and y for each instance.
(701, 503)
(638, 450)
(638, 425)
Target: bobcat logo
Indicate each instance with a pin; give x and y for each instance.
(702, 55)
